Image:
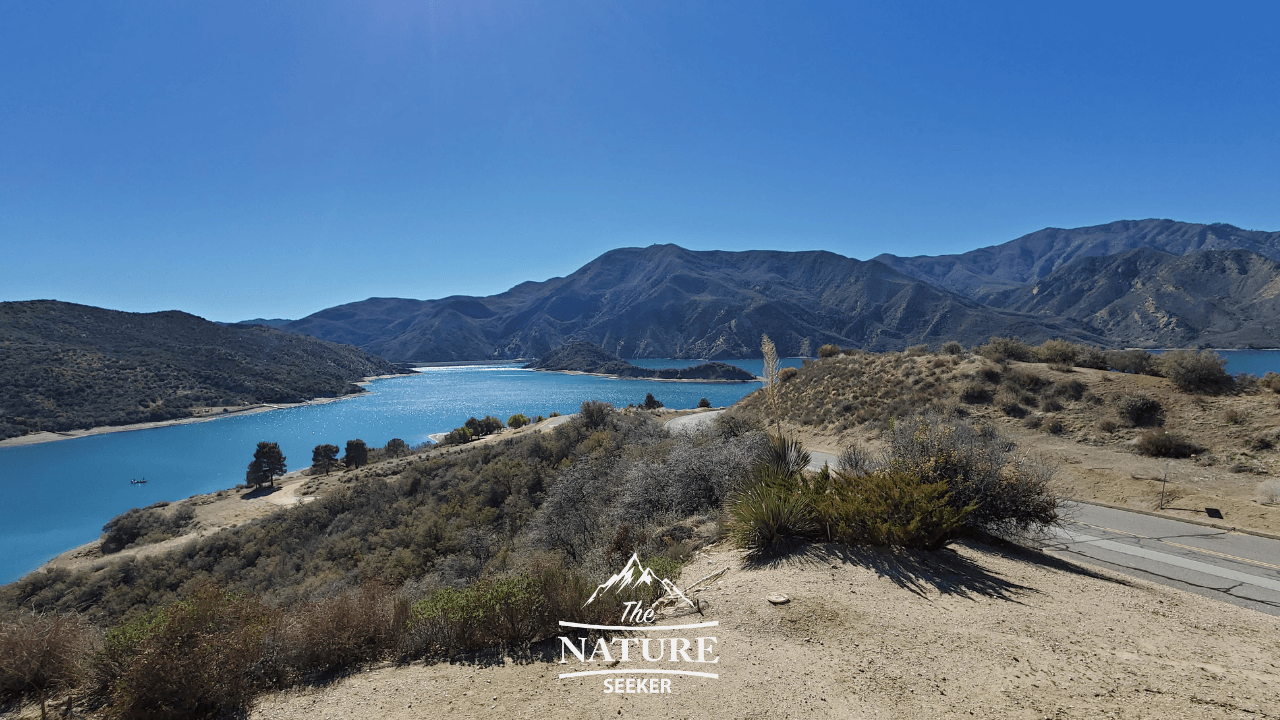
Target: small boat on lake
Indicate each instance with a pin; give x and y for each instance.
(143, 481)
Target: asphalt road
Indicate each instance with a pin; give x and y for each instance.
(1234, 567)
(1237, 568)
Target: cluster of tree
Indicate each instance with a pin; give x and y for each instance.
(473, 429)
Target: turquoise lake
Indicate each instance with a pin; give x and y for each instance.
(59, 494)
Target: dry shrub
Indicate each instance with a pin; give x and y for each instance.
(198, 657)
(1108, 425)
(1137, 362)
(828, 350)
(998, 349)
(787, 373)
(1233, 416)
(951, 347)
(974, 393)
(1195, 372)
(1258, 443)
(1140, 411)
(1088, 356)
(341, 631)
(1052, 425)
(1057, 352)
(1161, 443)
(43, 654)
(916, 350)
(1271, 381)
(978, 465)
(1269, 493)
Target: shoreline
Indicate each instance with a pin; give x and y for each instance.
(619, 377)
(45, 436)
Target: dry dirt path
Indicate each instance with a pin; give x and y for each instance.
(964, 633)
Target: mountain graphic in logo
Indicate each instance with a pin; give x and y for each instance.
(633, 574)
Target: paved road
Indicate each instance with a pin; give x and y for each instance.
(694, 422)
(1240, 569)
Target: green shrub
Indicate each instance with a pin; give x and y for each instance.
(765, 516)
(889, 508)
(784, 456)
(1140, 411)
(828, 350)
(1161, 443)
(518, 420)
(594, 413)
(1195, 372)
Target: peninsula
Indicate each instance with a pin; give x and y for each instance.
(587, 358)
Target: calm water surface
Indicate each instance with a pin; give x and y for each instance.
(58, 495)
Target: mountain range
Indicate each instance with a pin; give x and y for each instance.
(1084, 285)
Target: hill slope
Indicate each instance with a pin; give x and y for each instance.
(980, 272)
(1149, 298)
(587, 358)
(665, 301)
(72, 366)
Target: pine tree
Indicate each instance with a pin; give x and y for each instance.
(267, 465)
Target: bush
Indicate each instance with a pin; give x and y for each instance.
(916, 350)
(828, 350)
(1140, 411)
(1059, 352)
(704, 403)
(1195, 372)
(1271, 381)
(594, 413)
(1088, 356)
(340, 632)
(855, 460)
(43, 654)
(1011, 494)
(889, 508)
(951, 347)
(1233, 416)
(765, 516)
(975, 393)
(1137, 362)
(651, 403)
(147, 525)
(199, 657)
(1258, 443)
(787, 373)
(998, 349)
(1161, 443)
(518, 420)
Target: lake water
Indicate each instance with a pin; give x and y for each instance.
(58, 495)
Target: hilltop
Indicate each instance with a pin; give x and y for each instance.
(587, 358)
(70, 366)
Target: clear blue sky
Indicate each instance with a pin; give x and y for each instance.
(246, 159)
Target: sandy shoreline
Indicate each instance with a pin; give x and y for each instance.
(207, 414)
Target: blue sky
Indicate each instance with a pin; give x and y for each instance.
(239, 160)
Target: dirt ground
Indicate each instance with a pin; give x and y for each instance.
(973, 631)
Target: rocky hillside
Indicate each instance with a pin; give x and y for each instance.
(1151, 298)
(665, 301)
(72, 366)
(980, 272)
